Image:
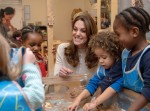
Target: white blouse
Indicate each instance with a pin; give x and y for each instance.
(81, 68)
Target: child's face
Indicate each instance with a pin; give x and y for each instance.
(79, 34)
(105, 59)
(33, 42)
(125, 36)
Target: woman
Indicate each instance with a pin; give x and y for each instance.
(6, 16)
(76, 57)
(3, 31)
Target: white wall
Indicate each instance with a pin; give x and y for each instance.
(38, 11)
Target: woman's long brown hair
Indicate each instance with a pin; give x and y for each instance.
(71, 52)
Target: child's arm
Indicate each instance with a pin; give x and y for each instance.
(74, 106)
(31, 78)
(141, 101)
(90, 89)
(113, 75)
(108, 93)
(33, 85)
(93, 84)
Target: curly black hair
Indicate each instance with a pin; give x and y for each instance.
(109, 42)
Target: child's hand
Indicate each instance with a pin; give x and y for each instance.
(89, 106)
(64, 72)
(74, 106)
(28, 57)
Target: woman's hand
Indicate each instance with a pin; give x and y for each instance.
(64, 72)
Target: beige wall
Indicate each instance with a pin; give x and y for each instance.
(18, 18)
(62, 13)
(92, 10)
(37, 11)
(114, 11)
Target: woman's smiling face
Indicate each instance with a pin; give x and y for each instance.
(79, 34)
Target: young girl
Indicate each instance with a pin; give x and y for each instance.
(108, 77)
(13, 97)
(16, 38)
(32, 38)
(131, 26)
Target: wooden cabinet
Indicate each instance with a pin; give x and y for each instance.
(106, 11)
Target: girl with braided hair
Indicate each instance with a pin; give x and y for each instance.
(32, 38)
(131, 26)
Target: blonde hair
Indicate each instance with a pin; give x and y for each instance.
(4, 56)
(11, 72)
(17, 67)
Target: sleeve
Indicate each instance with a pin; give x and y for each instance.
(113, 75)
(33, 86)
(117, 85)
(59, 61)
(145, 70)
(93, 84)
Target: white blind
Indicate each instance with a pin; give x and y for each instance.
(8, 2)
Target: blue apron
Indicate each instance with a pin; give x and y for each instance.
(12, 97)
(101, 72)
(132, 79)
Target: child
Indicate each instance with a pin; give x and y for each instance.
(28, 98)
(131, 26)
(32, 38)
(16, 38)
(106, 46)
